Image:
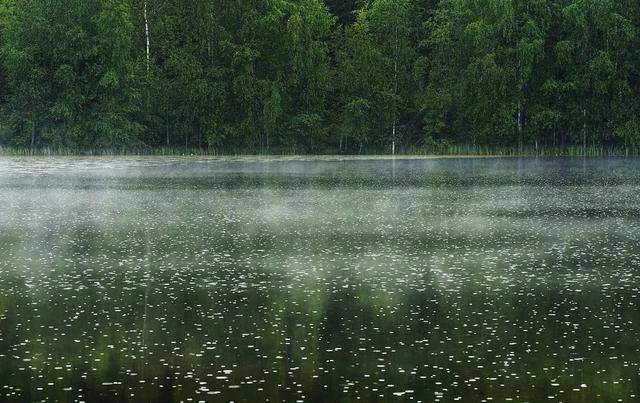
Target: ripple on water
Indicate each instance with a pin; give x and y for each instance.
(195, 280)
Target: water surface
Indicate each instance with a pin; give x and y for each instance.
(474, 280)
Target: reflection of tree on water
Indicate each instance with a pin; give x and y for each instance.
(486, 290)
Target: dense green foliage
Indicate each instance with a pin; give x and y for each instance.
(320, 76)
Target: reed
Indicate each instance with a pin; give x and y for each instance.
(440, 150)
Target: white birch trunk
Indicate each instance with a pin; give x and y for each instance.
(146, 31)
(395, 93)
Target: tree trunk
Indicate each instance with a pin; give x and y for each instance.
(520, 96)
(584, 131)
(166, 126)
(395, 91)
(393, 136)
(520, 126)
(146, 32)
(33, 134)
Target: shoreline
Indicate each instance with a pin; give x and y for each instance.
(301, 158)
(454, 151)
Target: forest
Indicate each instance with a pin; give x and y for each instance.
(320, 76)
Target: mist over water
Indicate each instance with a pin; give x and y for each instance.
(150, 279)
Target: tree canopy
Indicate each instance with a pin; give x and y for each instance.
(319, 76)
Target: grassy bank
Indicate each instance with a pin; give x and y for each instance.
(450, 150)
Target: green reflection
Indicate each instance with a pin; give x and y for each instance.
(141, 292)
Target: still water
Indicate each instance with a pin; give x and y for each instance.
(471, 280)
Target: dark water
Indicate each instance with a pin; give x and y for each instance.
(330, 281)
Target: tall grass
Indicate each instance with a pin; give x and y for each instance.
(122, 151)
(446, 150)
(569, 151)
(146, 151)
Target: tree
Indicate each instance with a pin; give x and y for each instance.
(595, 74)
(71, 73)
(319, 76)
(482, 57)
(375, 74)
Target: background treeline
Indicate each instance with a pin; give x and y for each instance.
(336, 76)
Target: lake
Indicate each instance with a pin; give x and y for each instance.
(319, 280)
